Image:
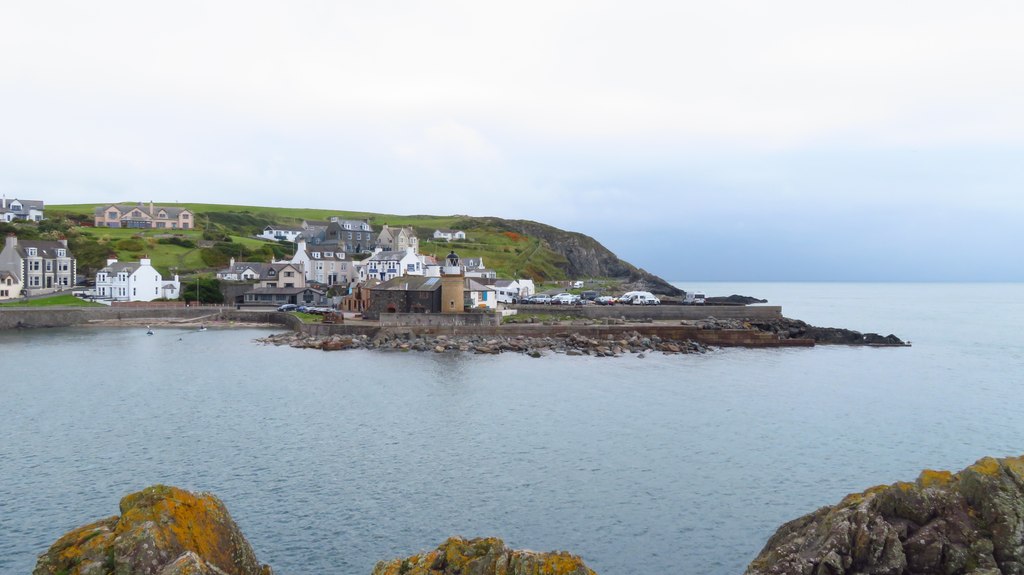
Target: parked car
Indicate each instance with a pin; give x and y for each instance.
(605, 300)
(288, 307)
(564, 299)
(588, 295)
(540, 299)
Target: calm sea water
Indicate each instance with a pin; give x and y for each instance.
(669, 464)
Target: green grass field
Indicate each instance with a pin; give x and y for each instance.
(63, 300)
(510, 254)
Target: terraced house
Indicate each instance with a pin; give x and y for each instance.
(143, 216)
(37, 266)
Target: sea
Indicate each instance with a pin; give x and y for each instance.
(685, 464)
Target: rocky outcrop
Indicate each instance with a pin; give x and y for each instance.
(794, 328)
(971, 522)
(458, 556)
(584, 256)
(733, 299)
(161, 531)
(568, 343)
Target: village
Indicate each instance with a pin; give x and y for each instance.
(337, 265)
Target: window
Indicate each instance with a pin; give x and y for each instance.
(31, 252)
(289, 274)
(111, 215)
(61, 253)
(316, 255)
(184, 216)
(161, 224)
(49, 265)
(4, 293)
(328, 254)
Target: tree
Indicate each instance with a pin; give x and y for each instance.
(207, 289)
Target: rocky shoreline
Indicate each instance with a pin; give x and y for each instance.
(969, 523)
(569, 344)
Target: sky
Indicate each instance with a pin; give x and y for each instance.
(730, 141)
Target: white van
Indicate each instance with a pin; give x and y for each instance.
(639, 298)
(694, 298)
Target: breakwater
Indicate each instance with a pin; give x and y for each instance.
(628, 320)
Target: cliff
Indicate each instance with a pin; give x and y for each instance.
(458, 556)
(584, 256)
(161, 531)
(971, 522)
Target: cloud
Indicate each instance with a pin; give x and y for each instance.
(595, 115)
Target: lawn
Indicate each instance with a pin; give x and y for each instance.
(63, 300)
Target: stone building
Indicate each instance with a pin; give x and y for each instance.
(39, 266)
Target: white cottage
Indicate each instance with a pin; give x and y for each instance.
(134, 281)
(384, 265)
(324, 264)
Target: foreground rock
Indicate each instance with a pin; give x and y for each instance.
(161, 531)
(458, 556)
(971, 522)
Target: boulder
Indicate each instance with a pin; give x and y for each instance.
(484, 556)
(971, 522)
(161, 531)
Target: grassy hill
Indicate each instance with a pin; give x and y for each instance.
(514, 248)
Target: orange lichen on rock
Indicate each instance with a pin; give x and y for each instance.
(932, 478)
(484, 556)
(159, 527)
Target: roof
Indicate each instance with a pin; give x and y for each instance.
(319, 252)
(283, 291)
(473, 285)
(240, 267)
(409, 283)
(172, 213)
(447, 231)
(118, 267)
(284, 229)
(387, 256)
(46, 248)
(471, 263)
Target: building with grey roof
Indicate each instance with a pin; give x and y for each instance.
(143, 216)
(40, 266)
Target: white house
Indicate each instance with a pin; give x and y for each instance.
(10, 284)
(526, 287)
(507, 290)
(15, 209)
(134, 281)
(241, 271)
(449, 235)
(279, 233)
(480, 295)
(324, 264)
(384, 265)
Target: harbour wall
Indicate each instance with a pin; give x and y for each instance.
(656, 312)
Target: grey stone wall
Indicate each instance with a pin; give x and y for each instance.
(439, 319)
(656, 312)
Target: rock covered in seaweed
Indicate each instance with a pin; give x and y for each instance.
(161, 531)
(484, 556)
(971, 522)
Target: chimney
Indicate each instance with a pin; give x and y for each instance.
(11, 241)
(151, 211)
(111, 261)
(231, 265)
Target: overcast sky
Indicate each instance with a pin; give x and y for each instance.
(723, 140)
